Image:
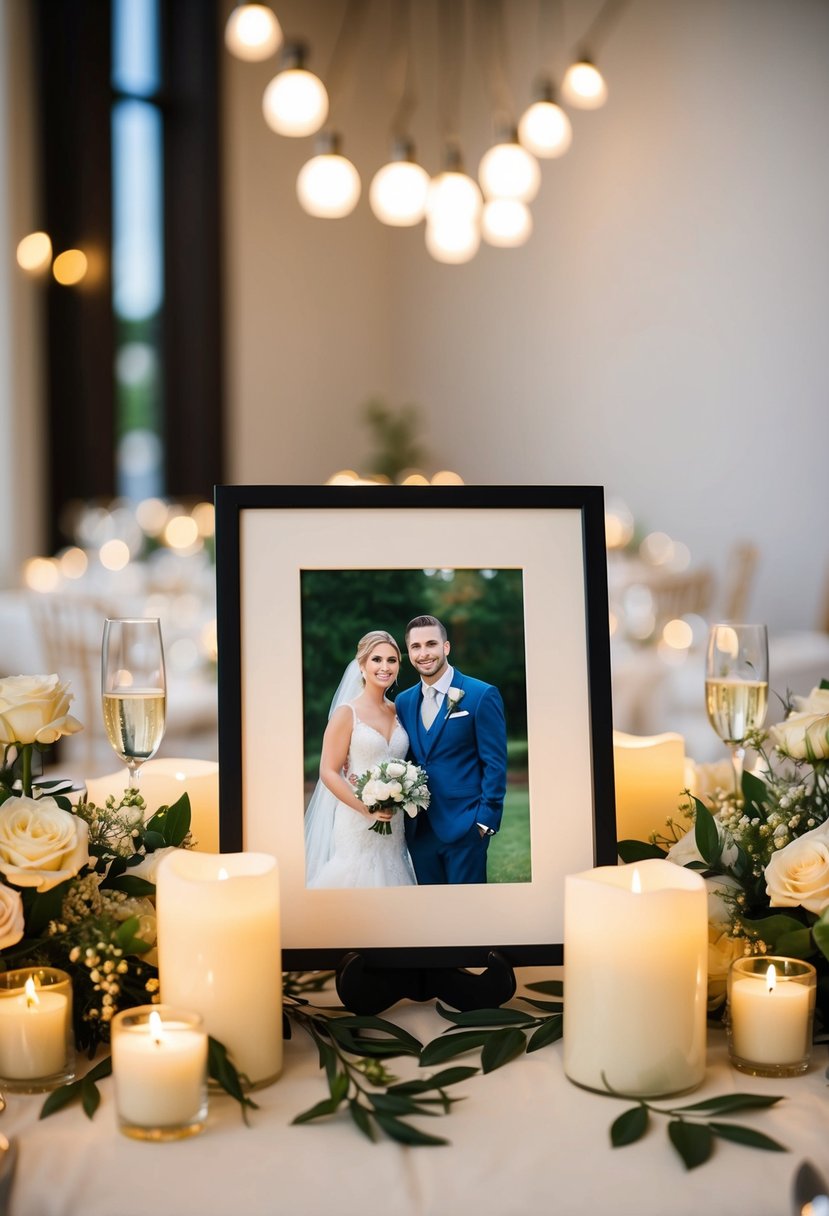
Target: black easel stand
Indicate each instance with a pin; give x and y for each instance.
(369, 990)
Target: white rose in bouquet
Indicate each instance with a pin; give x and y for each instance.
(369, 793)
(804, 734)
(798, 875)
(686, 850)
(41, 845)
(35, 709)
(395, 790)
(12, 925)
(396, 768)
(380, 791)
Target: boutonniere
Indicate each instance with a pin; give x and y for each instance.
(453, 700)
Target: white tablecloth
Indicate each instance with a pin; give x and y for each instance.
(525, 1140)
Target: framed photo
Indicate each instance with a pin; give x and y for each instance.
(518, 756)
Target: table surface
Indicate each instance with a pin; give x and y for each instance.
(524, 1140)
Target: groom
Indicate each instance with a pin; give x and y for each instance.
(457, 733)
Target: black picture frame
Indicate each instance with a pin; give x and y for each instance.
(265, 535)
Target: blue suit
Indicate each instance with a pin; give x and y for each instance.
(464, 754)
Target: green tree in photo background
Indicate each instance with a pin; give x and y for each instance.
(483, 611)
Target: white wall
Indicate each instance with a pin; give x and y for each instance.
(664, 333)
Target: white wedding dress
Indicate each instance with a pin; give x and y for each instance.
(355, 856)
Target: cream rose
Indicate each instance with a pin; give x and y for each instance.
(12, 925)
(804, 735)
(703, 780)
(722, 951)
(798, 875)
(41, 845)
(35, 709)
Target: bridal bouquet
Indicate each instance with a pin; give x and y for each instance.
(76, 881)
(764, 853)
(390, 786)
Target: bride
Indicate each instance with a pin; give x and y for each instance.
(363, 730)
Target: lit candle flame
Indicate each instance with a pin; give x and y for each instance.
(771, 978)
(223, 874)
(156, 1028)
(636, 883)
(32, 999)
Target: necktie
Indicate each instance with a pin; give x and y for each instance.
(429, 708)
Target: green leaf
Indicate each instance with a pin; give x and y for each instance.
(90, 1097)
(731, 1102)
(639, 850)
(361, 1117)
(550, 987)
(440, 1080)
(797, 944)
(501, 1047)
(328, 1059)
(486, 1017)
(58, 1098)
(546, 1006)
(629, 1127)
(748, 1136)
(328, 1106)
(176, 822)
(395, 1034)
(550, 1031)
(396, 1104)
(820, 932)
(755, 792)
(102, 1069)
(404, 1133)
(222, 1069)
(45, 906)
(449, 1046)
(693, 1142)
(772, 928)
(824, 684)
(132, 884)
(153, 840)
(706, 835)
(339, 1087)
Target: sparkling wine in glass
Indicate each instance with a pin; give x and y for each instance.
(133, 689)
(737, 685)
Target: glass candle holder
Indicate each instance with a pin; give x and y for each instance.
(771, 1005)
(159, 1063)
(37, 1044)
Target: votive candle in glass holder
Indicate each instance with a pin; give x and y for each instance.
(159, 1064)
(771, 1005)
(37, 1044)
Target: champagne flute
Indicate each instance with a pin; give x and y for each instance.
(133, 689)
(737, 685)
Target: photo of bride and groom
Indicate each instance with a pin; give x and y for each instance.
(449, 724)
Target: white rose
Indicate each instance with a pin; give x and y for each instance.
(380, 791)
(798, 875)
(410, 808)
(396, 768)
(35, 709)
(368, 796)
(703, 780)
(146, 869)
(686, 850)
(804, 735)
(395, 791)
(40, 844)
(12, 925)
(722, 951)
(411, 772)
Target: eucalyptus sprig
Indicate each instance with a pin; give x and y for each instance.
(694, 1128)
(352, 1049)
(501, 1034)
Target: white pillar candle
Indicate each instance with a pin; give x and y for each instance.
(219, 951)
(159, 1063)
(635, 978)
(770, 1015)
(33, 1034)
(650, 778)
(162, 782)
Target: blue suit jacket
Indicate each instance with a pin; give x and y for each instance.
(464, 755)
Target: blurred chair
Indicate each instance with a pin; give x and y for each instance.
(677, 595)
(739, 581)
(70, 629)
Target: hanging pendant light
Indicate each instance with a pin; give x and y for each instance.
(397, 194)
(252, 32)
(506, 223)
(509, 171)
(328, 185)
(453, 241)
(295, 103)
(584, 86)
(544, 129)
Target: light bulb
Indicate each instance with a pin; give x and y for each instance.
(453, 241)
(397, 194)
(453, 198)
(509, 171)
(34, 253)
(252, 32)
(584, 86)
(70, 267)
(506, 222)
(545, 129)
(328, 185)
(295, 102)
